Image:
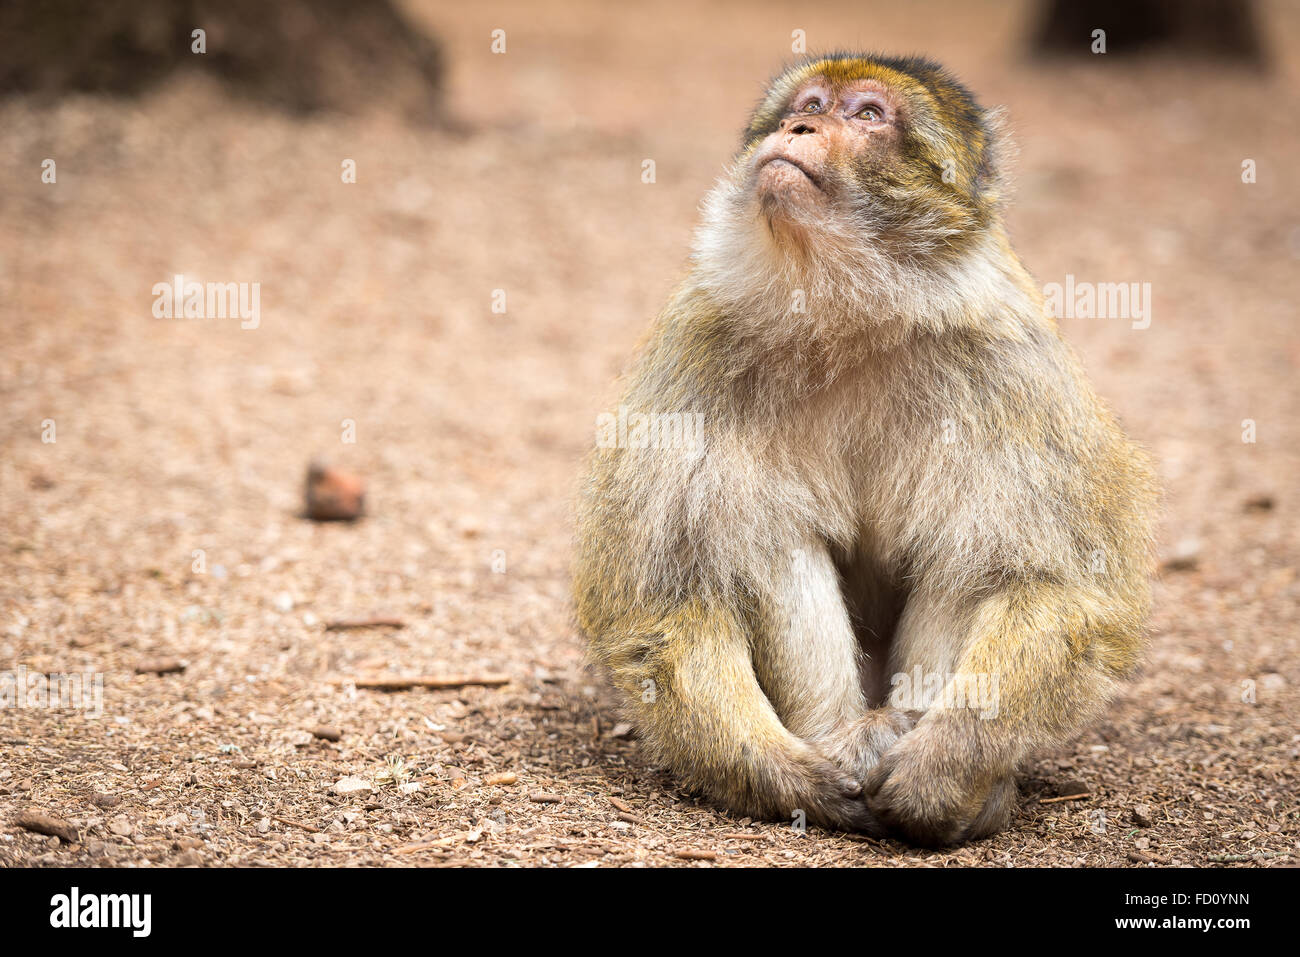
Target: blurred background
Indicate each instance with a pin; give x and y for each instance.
(442, 206)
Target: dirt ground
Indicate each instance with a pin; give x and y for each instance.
(181, 436)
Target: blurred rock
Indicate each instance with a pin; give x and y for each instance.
(333, 495)
(1262, 502)
(1184, 556)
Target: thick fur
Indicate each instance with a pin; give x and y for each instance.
(913, 471)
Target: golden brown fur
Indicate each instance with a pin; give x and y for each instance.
(910, 470)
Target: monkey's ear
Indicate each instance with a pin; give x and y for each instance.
(993, 173)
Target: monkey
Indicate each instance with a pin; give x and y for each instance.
(903, 473)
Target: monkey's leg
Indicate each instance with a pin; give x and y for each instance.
(810, 663)
(1033, 664)
(701, 712)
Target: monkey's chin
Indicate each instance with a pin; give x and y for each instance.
(780, 183)
(788, 199)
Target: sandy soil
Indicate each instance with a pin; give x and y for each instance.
(176, 436)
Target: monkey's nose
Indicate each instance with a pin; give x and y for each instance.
(798, 127)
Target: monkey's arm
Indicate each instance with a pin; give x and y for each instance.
(1053, 654)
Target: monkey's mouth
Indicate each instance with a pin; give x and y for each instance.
(794, 164)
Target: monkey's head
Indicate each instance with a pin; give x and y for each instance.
(895, 146)
(895, 143)
(861, 180)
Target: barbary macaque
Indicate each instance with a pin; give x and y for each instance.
(911, 546)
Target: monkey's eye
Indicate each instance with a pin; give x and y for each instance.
(871, 114)
(812, 106)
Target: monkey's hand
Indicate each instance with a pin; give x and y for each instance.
(926, 790)
(857, 746)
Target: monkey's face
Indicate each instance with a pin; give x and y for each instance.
(827, 141)
(895, 151)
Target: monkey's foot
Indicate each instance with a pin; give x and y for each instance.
(857, 746)
(915, 794)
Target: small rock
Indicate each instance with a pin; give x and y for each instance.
(333, 495)
(100, 799)
(1071, 787)
(264, 825)
(1143, 816)
(1272, 681)
(1184, 556)
(352, 785)
(121, 826)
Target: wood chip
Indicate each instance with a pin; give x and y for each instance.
(545, 797)
(43, 823)
(689, 854)
(441, 843)
(293, 823)
(402, 684)
(504, 778)
(1066, 797)
(352, 785)
(622, 806)
(348, 624)
(160, 666)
